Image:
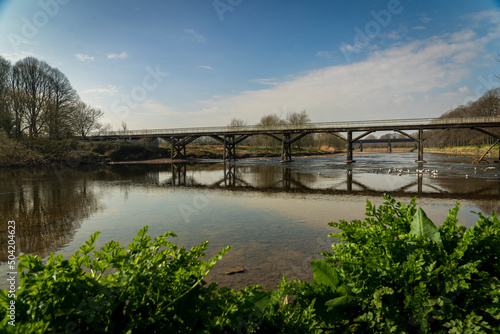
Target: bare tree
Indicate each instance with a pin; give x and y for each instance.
(31, 80)
(6, 121)
(269, 121)
(62, 103)
(85, 119)
(297, 119)
(237, 123)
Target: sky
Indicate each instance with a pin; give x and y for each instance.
(194, 63)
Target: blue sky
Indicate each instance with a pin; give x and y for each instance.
(163, 64)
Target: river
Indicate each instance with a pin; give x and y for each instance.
(275, 216)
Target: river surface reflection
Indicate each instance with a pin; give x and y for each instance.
(275, 216)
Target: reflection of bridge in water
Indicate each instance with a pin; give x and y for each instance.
(288, 181)
(289, 134)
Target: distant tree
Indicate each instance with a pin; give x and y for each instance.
(326, 141)
(124, 126)
(299, 119)
(85, 119)
(269, 121)
(237, 123)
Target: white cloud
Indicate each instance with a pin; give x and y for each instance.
(266, 81)
(122, 55)
(206, 67)
(108, 90)
(411, 80)
(152, 107)
(424, 19)
(14, 57)
(197, 37)
(83, 57)
(324, 54)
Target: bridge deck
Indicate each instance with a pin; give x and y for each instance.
(373, 125)
(231, 136)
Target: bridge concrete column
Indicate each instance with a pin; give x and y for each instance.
(420, 146)
(389, 143)
(349, 148)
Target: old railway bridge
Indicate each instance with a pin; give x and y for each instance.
(288, 134)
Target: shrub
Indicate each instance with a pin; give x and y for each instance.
(395, 271)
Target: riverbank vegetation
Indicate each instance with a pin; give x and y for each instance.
(393, 272)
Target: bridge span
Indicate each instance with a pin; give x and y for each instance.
(288, 134)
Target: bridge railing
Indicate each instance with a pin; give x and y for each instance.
(303, 127)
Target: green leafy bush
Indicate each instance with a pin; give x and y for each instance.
(395, 271)
(153, 286)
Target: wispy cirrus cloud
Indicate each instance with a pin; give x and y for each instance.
(324, 54)
(206, 67)
(196, 36)
(108, 90)
(266, 81)
(83, 57)
(122, 55)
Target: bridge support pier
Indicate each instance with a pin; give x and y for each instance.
(229, 152)
(286, 148)
(389, 147)
(178, 149)
(349, 148)
(420, 146)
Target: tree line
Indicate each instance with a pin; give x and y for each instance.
(319, 140)
(488, 105)
(37, 100)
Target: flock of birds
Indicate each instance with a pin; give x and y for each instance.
(421, 172)
(400, 171)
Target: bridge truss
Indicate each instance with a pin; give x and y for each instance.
(230, 137)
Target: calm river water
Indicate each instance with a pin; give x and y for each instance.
(275, 216)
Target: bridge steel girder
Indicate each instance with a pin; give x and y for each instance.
(494, 135)
(407, 135)
(336, 135)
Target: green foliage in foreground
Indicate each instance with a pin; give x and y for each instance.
(393, 272)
